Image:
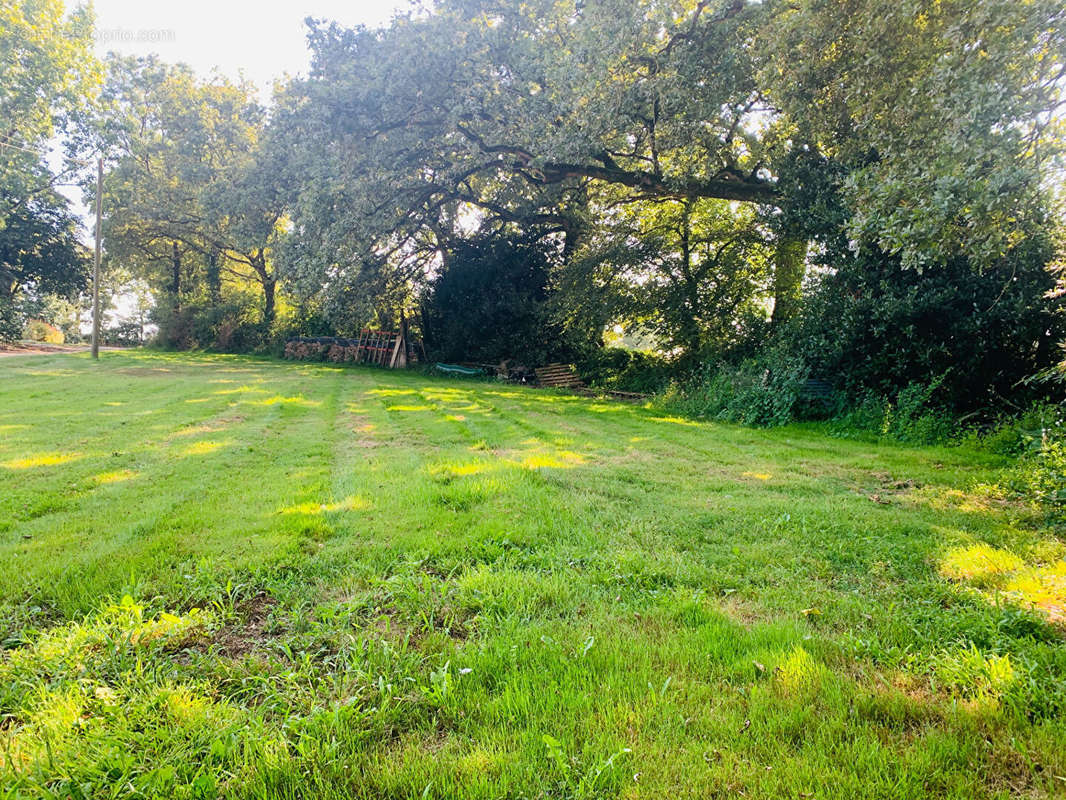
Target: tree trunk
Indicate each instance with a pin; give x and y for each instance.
(574, 233)
(269, 285)
(175, 275)
(790, 263)
(8, 285)
(214, 277)
(691, 332)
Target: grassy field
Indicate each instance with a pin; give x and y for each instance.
(231, 577)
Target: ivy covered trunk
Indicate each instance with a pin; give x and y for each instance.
(269, 282)
(269, 285)
(214, 277)
(790, 262)
(175, 275)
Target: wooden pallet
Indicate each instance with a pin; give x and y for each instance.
(379, 347)
(559, 376)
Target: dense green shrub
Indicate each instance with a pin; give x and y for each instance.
(873, 327)
(870, 326)
(754, 392)
(915, 414)
(776, 392)
(1040, 474)
(491, 303)
(908, 353)
(624, 370)
(232, 327)
(12, 319)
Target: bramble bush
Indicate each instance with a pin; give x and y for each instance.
(754, 392)
(1040, 474)
(625, 370)
(915, 414)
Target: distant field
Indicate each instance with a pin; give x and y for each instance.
(222, 576)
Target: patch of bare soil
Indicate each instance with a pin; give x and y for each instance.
(208, 426)
(38, 348)
(888, 488)
(245, 635)
(743, 611)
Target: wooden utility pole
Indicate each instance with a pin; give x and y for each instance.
(96, 259)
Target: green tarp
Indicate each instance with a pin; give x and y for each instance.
(459, 370)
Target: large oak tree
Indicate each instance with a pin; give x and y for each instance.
(943, 116)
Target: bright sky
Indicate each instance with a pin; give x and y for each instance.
(264, 40)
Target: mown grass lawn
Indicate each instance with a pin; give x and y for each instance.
(226, 576)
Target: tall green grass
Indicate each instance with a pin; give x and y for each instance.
(223, 576)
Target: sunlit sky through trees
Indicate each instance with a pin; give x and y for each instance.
(262, 41)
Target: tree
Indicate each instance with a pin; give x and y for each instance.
(47, 78)
(193, 200)
(693, 273)
(516, 109)
(946, 115)
(448, 115)
(39, 250)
